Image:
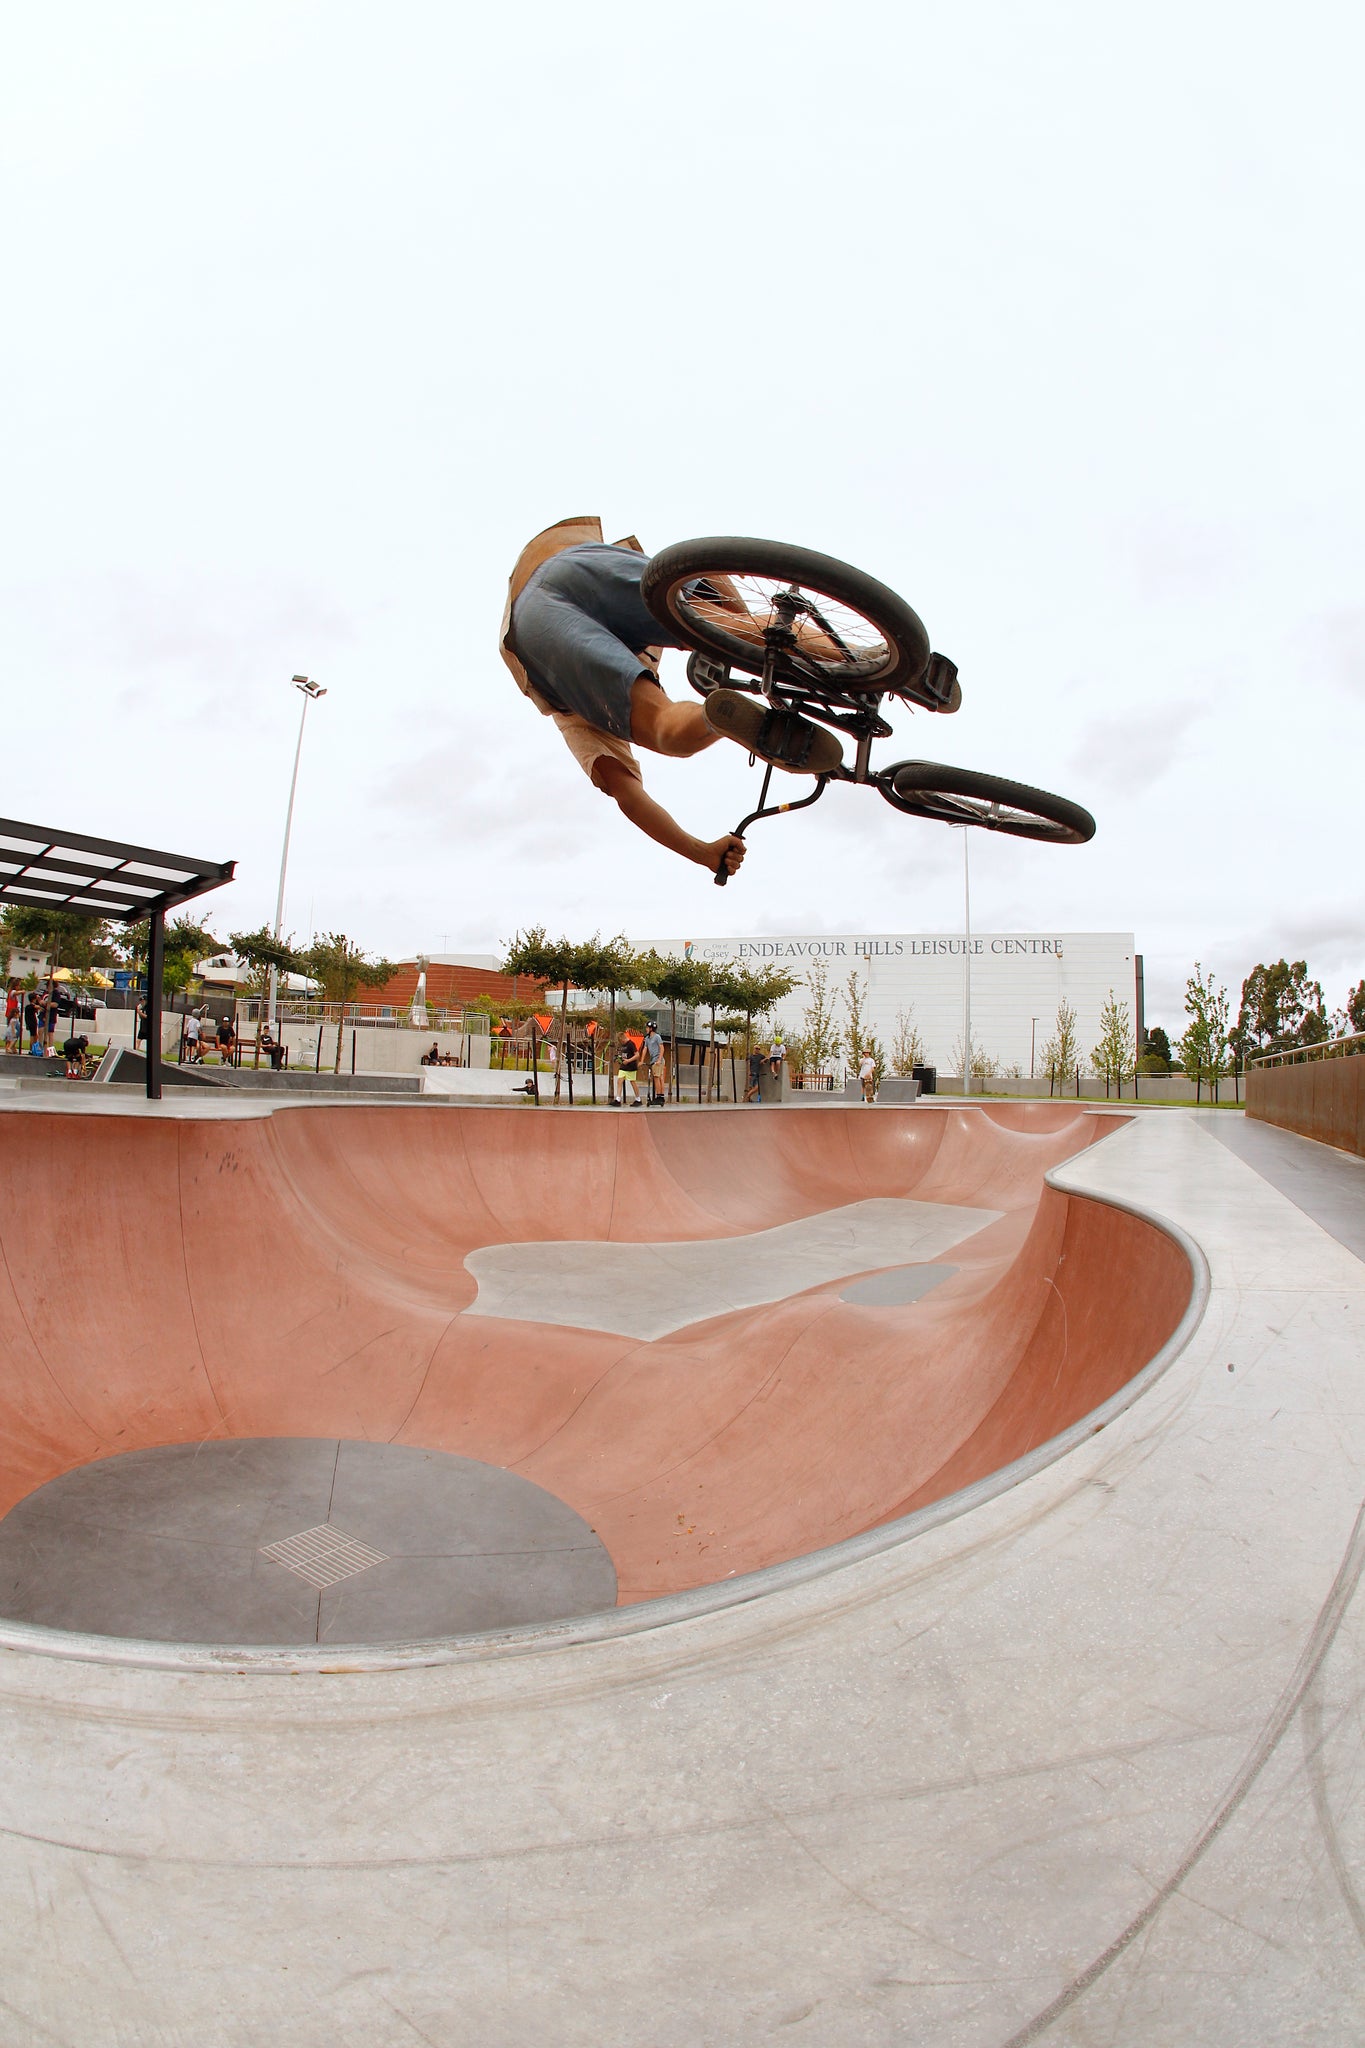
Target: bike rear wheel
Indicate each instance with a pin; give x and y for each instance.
(833, 630)
(964, 796)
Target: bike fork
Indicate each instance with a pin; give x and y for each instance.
(767, 810)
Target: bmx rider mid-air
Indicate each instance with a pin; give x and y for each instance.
(792, 653)
(577, 636)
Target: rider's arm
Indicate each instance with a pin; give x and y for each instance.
(616, 781)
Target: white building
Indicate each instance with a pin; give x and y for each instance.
(1018, 980)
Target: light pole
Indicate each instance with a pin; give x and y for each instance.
(966, 963)
(309, 691)
(1032, 1041)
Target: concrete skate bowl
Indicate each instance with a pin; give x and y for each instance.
(724, 1342)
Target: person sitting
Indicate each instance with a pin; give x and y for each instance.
(432, 1056)
(272, 1047)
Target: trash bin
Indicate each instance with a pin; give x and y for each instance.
(927, 1078)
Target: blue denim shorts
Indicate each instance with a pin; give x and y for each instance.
(580, 628)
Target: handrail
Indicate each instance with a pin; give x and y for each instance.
(1325, 1049)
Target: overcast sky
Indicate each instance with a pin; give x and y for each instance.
(1051, 317)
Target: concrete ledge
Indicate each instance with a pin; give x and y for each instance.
(120, 1067)
(894, 1088)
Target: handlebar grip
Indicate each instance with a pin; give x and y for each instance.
(722, 874)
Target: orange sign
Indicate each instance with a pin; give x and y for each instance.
(544, 1022)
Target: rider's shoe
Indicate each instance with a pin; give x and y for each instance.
(783, 737)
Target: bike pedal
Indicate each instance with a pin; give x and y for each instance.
(706, 675)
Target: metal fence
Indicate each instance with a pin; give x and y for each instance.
(1325, 1049)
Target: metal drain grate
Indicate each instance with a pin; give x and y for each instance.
(323, 1556)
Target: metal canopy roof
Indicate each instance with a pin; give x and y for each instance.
(98, 877)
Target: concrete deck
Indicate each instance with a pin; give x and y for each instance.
(1074, 1756)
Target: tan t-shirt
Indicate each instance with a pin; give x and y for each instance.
(588, 743)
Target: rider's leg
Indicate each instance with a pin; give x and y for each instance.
(664, 727)
(782, 737)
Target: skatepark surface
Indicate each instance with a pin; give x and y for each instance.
(981, 1502)
(644, 1316)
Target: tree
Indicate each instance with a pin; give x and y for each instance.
(1204, 1046)
(609, 966)
(673, 981)
(1061, 1054)
(1156, 1052)
(1113, 1055)
(758, 990)
(720, 986)
(553, 962)
(68, 938)
(260, 952)
(1281, 1008)
(1355, 1008)
(341, 969)
(985, 1065)
(820, 1036)
(907, 1046)
(855, 1035)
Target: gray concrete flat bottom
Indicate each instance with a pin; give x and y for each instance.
(896, 1286)
(650, 1290)
(1326, 1184)
(377, 1543)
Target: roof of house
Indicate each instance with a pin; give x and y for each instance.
(450, 988)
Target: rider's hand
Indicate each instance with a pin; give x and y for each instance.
(731, 846)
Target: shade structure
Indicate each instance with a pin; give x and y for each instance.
(45, 869)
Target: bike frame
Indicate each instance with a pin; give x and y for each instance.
(862, 720)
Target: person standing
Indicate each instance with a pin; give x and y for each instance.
(13, 1009)
(753, 1093)
(628, 1069)
(867, 1074)
(47, 1018)
(654, 1061)
(191, 1039)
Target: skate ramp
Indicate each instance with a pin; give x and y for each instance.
(352, 1274)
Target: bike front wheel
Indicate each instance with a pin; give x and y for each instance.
(964, 796)
(835, 630)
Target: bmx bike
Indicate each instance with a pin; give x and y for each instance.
(814, 636)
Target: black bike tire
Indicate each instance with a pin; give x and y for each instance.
(736, 555)
(911, 786)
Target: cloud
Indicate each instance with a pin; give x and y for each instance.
(470, 793)
(1343, 636)
(1133, 751)
(1176, 558)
